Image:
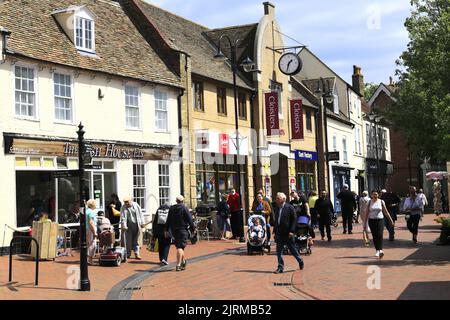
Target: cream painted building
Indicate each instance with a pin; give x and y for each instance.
(128, 105)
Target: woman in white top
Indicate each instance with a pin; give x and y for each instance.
(375, 213)
(413, 208)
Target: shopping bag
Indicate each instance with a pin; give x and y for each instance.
(116, 213)
(153, 245)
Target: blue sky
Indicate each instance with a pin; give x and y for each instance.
(342, 33)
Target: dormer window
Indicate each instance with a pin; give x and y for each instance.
(84, 34)
(79, 24)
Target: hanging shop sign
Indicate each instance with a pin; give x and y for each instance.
(272, 114)
(38, 147)
(297, 119)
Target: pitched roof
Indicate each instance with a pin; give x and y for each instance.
(120, 48)
(190, 38)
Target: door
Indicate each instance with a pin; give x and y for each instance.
(98, 188)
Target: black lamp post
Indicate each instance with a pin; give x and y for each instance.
(375, 120)
(323, 92)
(85, 284)
(248, 66)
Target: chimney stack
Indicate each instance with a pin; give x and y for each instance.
(358, 80)
(269, 9)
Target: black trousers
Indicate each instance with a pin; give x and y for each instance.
(313, 217)
(237, 224)
(413, 224)
(377, 228)
(269, 233)
(325, 225)
(163, 247)
(347, 219)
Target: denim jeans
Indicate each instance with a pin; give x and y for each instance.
(291, 246)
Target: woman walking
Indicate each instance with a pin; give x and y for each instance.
(262, 207)
(91, 226)
(363, 204)
(413, 208)
(375, 214)
(223, 216)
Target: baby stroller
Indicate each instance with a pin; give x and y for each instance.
(303, 236)
(257, 235)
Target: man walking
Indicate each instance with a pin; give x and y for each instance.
(392, 202)
(325, 211)
(178, 222)
(237, 219)
(284, 229)
(131, 222)
(348, 206)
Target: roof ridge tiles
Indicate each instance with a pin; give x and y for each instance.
(235, 27)
(173, 14)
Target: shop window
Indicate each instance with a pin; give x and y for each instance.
(49, 163)
(139, 184)
(21, 162)
(164, 184)
(61, 163)
(35, 162)
(73, 164)
(108, 165)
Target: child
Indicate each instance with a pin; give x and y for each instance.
(257, 230)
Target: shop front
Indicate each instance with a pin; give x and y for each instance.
(305, 167)
(46, 179)
(341, 177)
(216, 166)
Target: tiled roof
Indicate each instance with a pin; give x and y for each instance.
(190, 37)
(120, 48)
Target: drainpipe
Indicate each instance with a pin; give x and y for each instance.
(4, 36)
(180, 140)
(252, 126)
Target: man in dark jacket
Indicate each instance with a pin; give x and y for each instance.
(178, 222)
(325, 211)
(284, 228)
(348, 206)
(158, 229)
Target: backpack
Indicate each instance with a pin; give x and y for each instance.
(162, 216)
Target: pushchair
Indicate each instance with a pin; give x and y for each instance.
(257, 238)
(303, 236)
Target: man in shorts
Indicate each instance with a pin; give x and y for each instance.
(178, 222)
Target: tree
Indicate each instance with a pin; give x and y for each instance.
(369, 90)
(422, 107)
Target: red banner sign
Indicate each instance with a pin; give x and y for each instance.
(272, 114)
(224, 144)
(297, 119)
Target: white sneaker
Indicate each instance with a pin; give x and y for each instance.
(377, 254)
(381, 254)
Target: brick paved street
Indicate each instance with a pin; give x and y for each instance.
(334, 271)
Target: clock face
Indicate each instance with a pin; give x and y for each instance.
(290, 64)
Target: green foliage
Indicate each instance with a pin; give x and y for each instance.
(369, 90)
(422, 109)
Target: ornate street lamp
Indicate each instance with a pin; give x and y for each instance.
(323, 92)
(248, 66)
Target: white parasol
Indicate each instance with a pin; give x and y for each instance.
(437, 175)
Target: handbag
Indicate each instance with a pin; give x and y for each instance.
(116, 213)
(153, 245)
